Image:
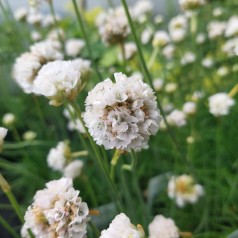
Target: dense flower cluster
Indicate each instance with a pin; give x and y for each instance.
(162, 227)
(57, 211)
(183, 190)
(3, 133)
(123, 114)
(121, 227)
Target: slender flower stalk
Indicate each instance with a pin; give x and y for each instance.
(8, 227)
(147, 74)
(99, 159)
(114, 161)
(86, 38)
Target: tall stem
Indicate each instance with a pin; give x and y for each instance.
(99, 159)
(147, 74)
(86, 38)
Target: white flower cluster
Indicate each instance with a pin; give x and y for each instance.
(57, 211)
(220, 103)
(130, 50)
(188, 58)
(8, 119)
(60, 159)
(232, 27)
(183, 190)
(113, 26)
(73, 47)
(191, 4)
(177, 118)
(123, 114)
(178, 28)
(61, 80)
(162, 227)
(121, 227)
(141, 9)
(3, 133)
(161, 38)
(216, 29)
(28, 64)
(229, 48)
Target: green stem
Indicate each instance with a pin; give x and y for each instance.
(114, 161)
(20, 145)
(147, 74)
(86, 38)
(99, 159)
(8, 227)
(123, 53)
(79, 154)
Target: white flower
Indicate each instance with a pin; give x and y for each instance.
(140, 9)
(58, 81)
(216, 29)
(201, 37)
(232, 26)
(130, 50)
(191, 4)
(189, 108)
(34, 17)
(222, 71)
(184, 190)
(177, 118)
(220, 103)
(8, 119)
(73, 47)
(57, 211)
(58, 156)
(158, 84)
(230, 46)
(158, 19)
(35, 35)
(162, 227)
(48, 20)
(178, 28)
(73, 169)
(190, 139)
(207, 62)
(56, 34)
(218, 11)
(20, 14)
(123, 114)
(161, 38)
(113, 26)
(170, 87)
(3, 133)
(197, 95)
(121, 227)
(188, 58)
(73, 124)
(168, 51)
(146, 35)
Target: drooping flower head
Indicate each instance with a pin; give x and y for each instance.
(121, 227)
(57, 211)
(184, 190)
(3, 133)
(123, 114)
(220, 104)
(162, 227)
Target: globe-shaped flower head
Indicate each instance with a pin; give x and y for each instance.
(123, 114)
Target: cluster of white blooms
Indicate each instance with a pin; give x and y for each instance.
(28, 64)
(36, 36)
(60, 159)
(177, 118)
(56, 34)
(178, 28)
(130, 50)
(232, 27)
(161, 38)
(207, 62)
(73, 47)
(191, 4)
(57, 211)
(140, 9)
(158, 84)
(220, 103)
(3, 133)
(20, 14)
(8, 119)
(230, 46)
(188, 58)
(170, 87)
(222, 71)
(217, 11)
(158, 19)
(34, 16)
(162, 227)
(184, 190)
(121, 227)
(189, 108)
(146, 35)
(61, 80)
(201, 38)
(29, 135)
(216, 29)
(49, 20)
(123, 114)
(73, 124)
(113, 26)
